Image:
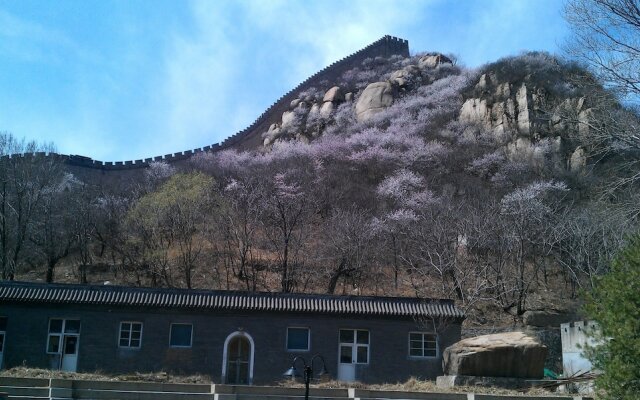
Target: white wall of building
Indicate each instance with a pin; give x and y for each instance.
(574, 340)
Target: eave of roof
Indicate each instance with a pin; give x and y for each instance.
(29, 292)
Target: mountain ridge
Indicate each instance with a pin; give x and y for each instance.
(384, 47)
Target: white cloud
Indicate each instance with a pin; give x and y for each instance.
(207, 67)
(330, 30)
(211, 69)
(500, 28)
(33, 42)
(199, 76)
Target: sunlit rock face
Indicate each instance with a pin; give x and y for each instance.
(531, 120)
(374, 99)
(509, 355)
(526, 114)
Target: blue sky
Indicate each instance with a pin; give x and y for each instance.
(120, 80)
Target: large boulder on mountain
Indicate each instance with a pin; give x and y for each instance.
(399, 77)
(510, 354)
(326, 109)
(334, 95)
(288, 118)
(406, 76)
(315, 109)
(578, 160)
(433, 60)
(375, 98)
(274, 132)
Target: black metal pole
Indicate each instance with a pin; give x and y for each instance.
(308, 371)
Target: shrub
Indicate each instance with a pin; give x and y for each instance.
(615, 305)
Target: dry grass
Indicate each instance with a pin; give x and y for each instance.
(157, 377)
(411, 385)
(416, 385)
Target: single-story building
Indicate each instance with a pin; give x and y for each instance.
(234, 337)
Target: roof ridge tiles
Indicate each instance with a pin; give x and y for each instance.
(116, 288)
(226, 300)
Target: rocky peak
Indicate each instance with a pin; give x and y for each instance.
(519, 105)
(313, 110)
(531, 121)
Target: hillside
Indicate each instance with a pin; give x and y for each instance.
(400, 175)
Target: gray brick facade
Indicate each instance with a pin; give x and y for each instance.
(389, 360)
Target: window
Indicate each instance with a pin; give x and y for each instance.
(423, 344)
(181, 335)
(298, 339)
(354, 346)
(55, 336)
(58, 327)
(130, 334)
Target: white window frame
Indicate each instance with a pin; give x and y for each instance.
(129, 346)
(422, 334)
(60, 334)
(286, 343)
(354, 345)
(190, 339)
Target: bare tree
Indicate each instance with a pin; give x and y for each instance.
(24, 177)
(288, 210)
(606, 36)
(433, 248)
(141, 246)
(347, 242)
(239, 230)
(525, 215)
(85, 228)
(171, 220)
(586, 240)
(53, 234)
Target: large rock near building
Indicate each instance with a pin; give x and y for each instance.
(511, 355)
(376, 97)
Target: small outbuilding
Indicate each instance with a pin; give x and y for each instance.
(234, 337)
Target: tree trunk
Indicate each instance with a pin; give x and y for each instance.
(333, 281)
(286, 286)
(51, 265)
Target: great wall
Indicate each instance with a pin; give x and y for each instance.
(249, 137)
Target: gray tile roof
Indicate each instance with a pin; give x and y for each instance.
(27, 292)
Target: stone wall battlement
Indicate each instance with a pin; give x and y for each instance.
(383, 47)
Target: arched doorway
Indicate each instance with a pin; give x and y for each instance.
(237, 363)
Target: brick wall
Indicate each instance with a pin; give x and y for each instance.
(98, 348)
